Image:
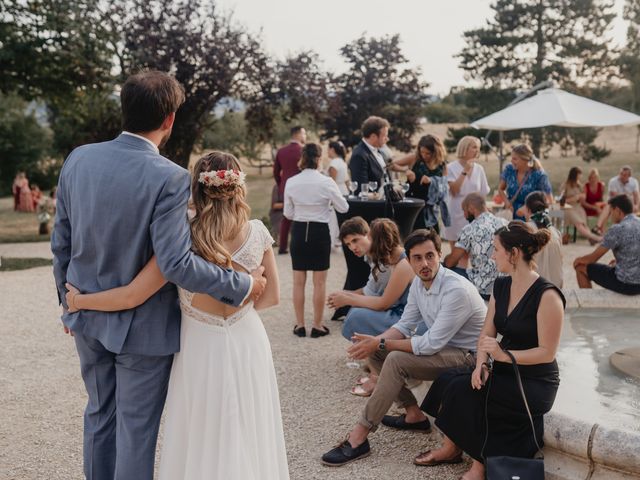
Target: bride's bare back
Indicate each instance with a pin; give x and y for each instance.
(271, 295)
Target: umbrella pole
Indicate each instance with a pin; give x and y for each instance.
(500, 153)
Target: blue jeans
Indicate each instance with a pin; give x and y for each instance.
(373, 322)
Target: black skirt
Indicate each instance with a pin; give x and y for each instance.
(310, 246)
(459, 411)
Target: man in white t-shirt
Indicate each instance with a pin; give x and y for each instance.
(621, 184)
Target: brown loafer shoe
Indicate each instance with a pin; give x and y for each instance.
(426, 460)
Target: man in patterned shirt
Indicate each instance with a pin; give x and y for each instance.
(623, 274)
(476, 241)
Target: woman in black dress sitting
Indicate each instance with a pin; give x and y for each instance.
(528, 312)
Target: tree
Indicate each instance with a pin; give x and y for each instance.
(24, 143)
(303, 86)
(86, 117)
(530, 41)
(49, 50)
(378, 82)
(208, 53)
(283, 93)
(61, 53)
(630, 57)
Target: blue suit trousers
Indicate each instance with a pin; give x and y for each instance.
(126, 397)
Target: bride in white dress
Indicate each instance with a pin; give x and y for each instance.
(223, 416)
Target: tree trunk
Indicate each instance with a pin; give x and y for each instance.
(536, 141)
(182, 141)
(537, 134)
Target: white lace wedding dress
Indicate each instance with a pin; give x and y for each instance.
(223, 417)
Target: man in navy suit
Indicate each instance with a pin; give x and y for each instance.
(367, 161)
(119, 203)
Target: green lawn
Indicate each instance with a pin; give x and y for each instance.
(18, 226)
(11, 264)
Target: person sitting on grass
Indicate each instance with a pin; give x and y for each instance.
(622, 275)
(380, 304)
(476, 241)
(452, 310)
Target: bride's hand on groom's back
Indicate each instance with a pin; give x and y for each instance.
(259, 283)
(70, 297)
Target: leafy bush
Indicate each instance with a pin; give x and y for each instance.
(24, 143)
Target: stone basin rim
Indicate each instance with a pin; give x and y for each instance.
(593, 444)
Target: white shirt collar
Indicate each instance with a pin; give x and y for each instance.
(377, 154)
(155, 147)
(371, 147)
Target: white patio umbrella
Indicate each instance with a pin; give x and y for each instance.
(553, 106)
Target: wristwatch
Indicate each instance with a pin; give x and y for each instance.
(381, 345)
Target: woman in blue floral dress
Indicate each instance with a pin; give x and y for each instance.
(521, 177)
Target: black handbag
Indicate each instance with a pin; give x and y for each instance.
(391, 194)
(513, 468)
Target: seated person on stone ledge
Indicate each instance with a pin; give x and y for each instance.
(528, 311)
(380, 304)
(476, 240)
(623, 238)
(453, 312)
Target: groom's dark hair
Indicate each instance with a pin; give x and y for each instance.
(147, 99)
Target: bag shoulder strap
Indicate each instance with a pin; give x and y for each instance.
(539, 454)
(515, 195)
(524, 397)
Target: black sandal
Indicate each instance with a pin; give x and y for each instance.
(315, 333)
(300, 331)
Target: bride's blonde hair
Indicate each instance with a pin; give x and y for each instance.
(221, 211)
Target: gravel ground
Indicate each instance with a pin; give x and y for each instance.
(42, 396)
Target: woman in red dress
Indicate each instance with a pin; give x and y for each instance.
(25, 203)
(594, 194)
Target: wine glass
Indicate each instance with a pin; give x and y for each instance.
(353, 363)
(353, 186)
(405, 188)
(373, 186)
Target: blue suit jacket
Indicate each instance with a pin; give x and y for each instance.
(364, 167)
(118, 203)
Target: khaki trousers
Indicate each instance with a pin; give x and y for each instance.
(397, 367)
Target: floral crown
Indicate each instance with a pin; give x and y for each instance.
(222, 178)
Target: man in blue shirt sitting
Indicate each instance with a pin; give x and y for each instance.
(623, 238)
(453, 312)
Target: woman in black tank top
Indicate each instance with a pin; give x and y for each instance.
(528, 312)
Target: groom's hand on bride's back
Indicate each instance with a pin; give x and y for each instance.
(259, 283)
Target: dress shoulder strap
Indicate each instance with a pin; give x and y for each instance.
(185, 296)
(544, 285)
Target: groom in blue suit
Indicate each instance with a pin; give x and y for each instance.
(119, 203)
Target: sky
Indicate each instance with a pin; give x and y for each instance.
(430, 30)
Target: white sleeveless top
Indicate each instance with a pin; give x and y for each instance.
(248, 256)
